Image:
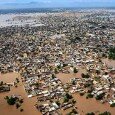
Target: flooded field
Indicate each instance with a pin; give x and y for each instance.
(20, 19)
(65, 78)
(91, 105)
(110, 63)
(9, 77)
(28, 104)
(85, 105)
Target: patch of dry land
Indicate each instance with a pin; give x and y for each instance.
(28, 104)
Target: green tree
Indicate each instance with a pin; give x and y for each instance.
(89, 95)
(112, 53)
(75, 70)
(90, 113)
(99, 97)
(73, 82)
(56, 70)
(53, 76)
(68, 96)
(11, 100)
(65, 99)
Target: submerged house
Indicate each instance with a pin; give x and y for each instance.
(4, 88)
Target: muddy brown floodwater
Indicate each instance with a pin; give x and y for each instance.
(91, 105)
(109, 62)
(85, 105)
(65, 78)
(28, 104)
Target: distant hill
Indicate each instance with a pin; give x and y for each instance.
(55, 4)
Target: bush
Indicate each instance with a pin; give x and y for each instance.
(64, 65)
(66, 99)
(53, 76)
(73, 82)
(21, 110)
(98, 72)
(58, 103)
(112, 105)
(87, 85)
(56, 70)
(81, 94)
(59, 67)
(99, 97)
(90, 90)
(1, 83)
(21, 100)
(85, 75)
(11, 101)
(73, 101)
(104, 55)
(17, 80)
(74, 111)
(90, 113)
(89, 95)
(75, 70)
(112, 53)
(97, 78)
(105, 113)
(68, 96)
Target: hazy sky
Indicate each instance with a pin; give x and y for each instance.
(49, 1)
(57, 3)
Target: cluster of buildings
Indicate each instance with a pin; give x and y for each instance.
(4, 88)
(65, 42)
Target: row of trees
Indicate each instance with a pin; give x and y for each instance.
(104, 113)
